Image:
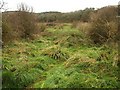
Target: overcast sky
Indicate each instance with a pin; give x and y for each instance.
(60, 5)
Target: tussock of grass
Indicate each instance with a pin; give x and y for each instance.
(56, 52)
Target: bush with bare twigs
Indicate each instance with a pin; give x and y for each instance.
(19, 24)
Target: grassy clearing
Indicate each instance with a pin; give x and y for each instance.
(61, 59)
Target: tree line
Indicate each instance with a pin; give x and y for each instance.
(81, 15)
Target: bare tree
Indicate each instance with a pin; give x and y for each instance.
(24, 8)
(27, 20)
(2, 6)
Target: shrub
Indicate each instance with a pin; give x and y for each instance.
(103, 25)
(20, 24)
(99, 33)
(27, 21)
(6, 33)
(10, 31)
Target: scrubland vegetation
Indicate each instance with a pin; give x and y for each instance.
(60, 50)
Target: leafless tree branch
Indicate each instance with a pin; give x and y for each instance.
(2, 5)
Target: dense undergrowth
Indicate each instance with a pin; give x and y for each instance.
(61, 58)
